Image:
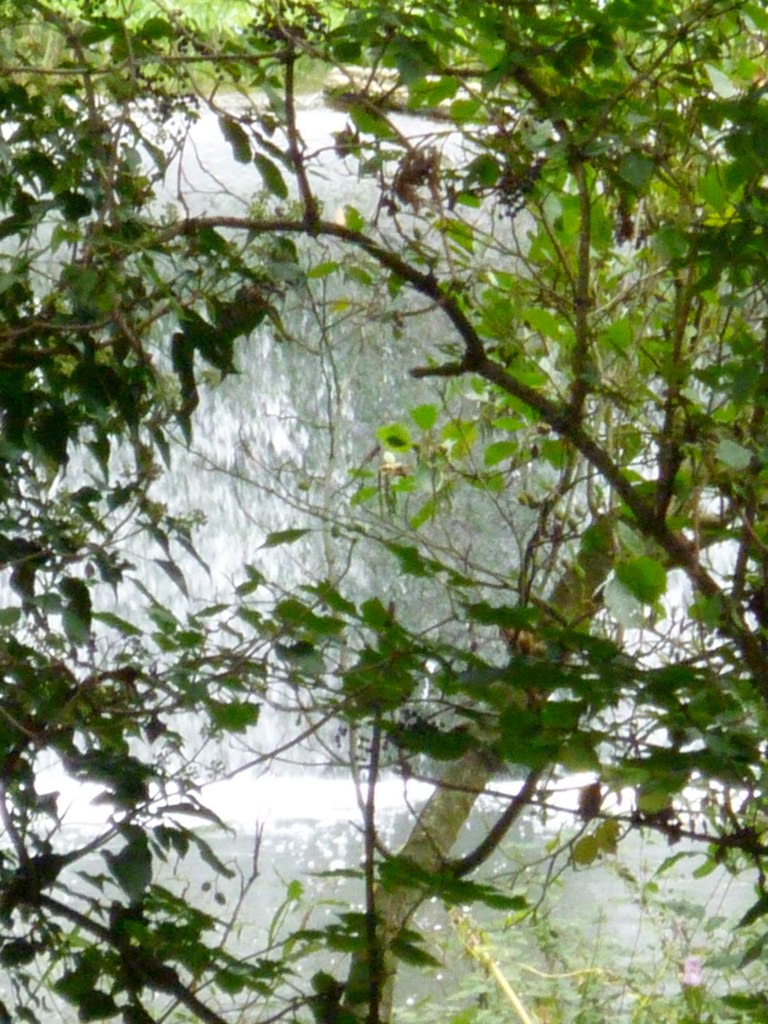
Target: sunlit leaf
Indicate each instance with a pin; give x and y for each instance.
(500, 451)
(323, 269)
(395, 436)
(424, 416)
(645, 578)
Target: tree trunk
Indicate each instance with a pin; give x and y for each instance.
(428, 846)
(442, 818)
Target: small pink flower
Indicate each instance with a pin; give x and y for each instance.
(692, 971)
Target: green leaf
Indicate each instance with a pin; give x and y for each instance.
(76, 616)
(752, 1008)
(271, 175)
(578, 754)
(653, 801)
(585, 851)
(499, 451)
(644, 578)
(101, 28)
(256, 579)
(711, 189)
(754, 951)
(637, 169)
(466, 1016)
(132, 866)
(157, 28)
(521, 617)
(411, 561)
(9, 617)
(163, 618)
(174, 573)
(370, 123)
(118, 623)
(427, 511)
(399, 871)
(294, 891)
(324, 269)
(331, 597)
(424, 416)
(274, 540)
(412, 954)
(555, 451)
(670, 242)
(732, 454)
(213, 343)
(236, 136)
(440, 744)
(183, 362)
(74, 626)
(619, 334)
(433, 92)
(73, 984)
(52, 435)
(413, 59)
(543, 321)
(755, 912)
(353, 219)
(93, 1004)
(461, 436)
(303, 655)
(464, 111)
(17, 952)
(231, 980)
(208, 855)
(484, 170)
(721, 83)
(395, 436)
(459, 232)
(73, 205)
(298, 615)
(375, 614)
(234, 716)
(607, 835)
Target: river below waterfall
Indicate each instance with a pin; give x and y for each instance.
(293, 839)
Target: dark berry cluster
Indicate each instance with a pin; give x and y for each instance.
(296, 19)
(514, 186)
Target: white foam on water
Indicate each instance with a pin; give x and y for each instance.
(243, 799)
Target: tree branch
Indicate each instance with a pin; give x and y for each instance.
(679, 551)
(489, 844)
(153, 973)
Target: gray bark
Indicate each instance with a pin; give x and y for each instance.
(442, 818)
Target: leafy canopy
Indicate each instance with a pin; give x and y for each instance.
(565, 246)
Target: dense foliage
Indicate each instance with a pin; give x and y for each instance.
(562, 239)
